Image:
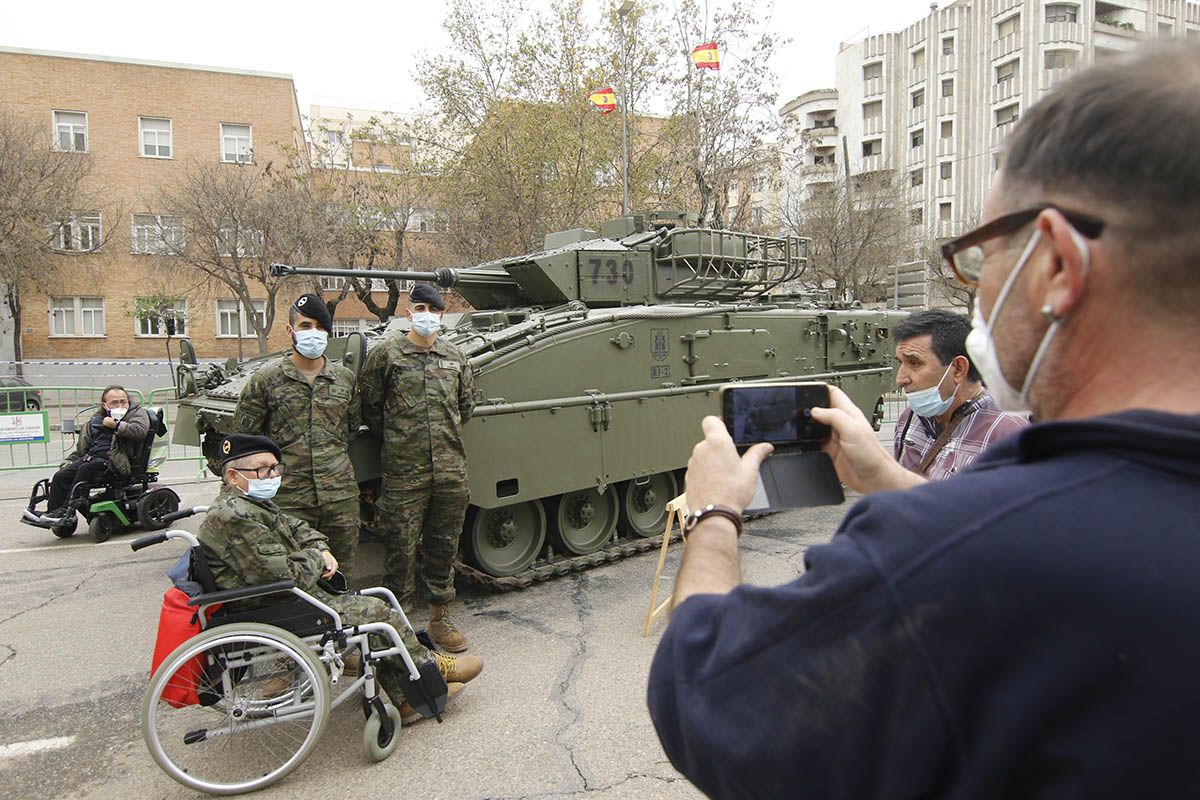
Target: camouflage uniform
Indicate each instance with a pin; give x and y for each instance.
(249, 542)
(418, 400)
(313, 425)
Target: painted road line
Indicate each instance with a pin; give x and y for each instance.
(30, 748)
(54, 548)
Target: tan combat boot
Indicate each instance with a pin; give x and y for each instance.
(458, 669)
(409, 715)
(443, 632)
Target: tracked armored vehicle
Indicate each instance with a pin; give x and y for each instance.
(595, 360)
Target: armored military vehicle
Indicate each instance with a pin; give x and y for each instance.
(595, 360)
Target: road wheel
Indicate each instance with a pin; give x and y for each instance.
(153, 506)
(32, 405)
(103, 526)
(644, 504)
(505, 541)
(583, 521)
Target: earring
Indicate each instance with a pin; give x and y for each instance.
(1048, 313)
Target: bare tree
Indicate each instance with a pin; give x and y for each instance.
(858, 229)
(50, 212)
(229, 222)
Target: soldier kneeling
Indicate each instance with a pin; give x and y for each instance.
(248, 540)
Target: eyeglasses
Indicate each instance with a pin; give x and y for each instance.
(262, 473)
(965, 254)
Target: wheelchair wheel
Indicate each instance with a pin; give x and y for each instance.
(377, 741)
(263, 704)
(67, 528)
(153, 506)
(103, 526)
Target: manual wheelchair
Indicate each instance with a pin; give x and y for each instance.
(115, 503)
(239, 705)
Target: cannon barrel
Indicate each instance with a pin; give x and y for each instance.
(446, 277)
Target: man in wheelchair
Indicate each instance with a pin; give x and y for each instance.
(108, 443)
(248, 540)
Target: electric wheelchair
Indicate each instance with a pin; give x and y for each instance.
(115, 503)
(240, 704)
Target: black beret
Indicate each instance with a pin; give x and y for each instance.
(424, 293)
(237, 445)
(314, 307)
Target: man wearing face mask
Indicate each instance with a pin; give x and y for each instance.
(951, 418)
(310, 406)
(417, 392)
(247, 540)
(1025, 628)
(109, 442)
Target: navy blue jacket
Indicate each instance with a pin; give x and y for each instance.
(1027, 628)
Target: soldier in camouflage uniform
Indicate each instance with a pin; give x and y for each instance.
(248, 540)
(310, 406)
(417, 391)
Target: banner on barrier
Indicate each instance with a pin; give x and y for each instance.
(26, 427)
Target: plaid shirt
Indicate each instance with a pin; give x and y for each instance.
(980, 423)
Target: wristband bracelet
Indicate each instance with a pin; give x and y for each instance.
(693, 519)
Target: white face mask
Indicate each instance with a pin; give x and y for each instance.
(981, 343)
(929, 402)
(311, 343)
(263, 488)
(117, 413)
(426, 323)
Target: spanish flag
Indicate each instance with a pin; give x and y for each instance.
(604, 99)
(707, 56)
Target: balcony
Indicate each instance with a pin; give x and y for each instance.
(1062, 32)
(945, 147)
(948, 63)
(873, 86)
(917, 155)
(1001, 131)
(820, 136)
(946, 105)
(818, 173)
(1007, 88)
(1005, 45)
(1050, 77)
(873, 125)
(917, 115)
(1115, 27)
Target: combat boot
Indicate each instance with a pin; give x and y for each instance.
(458, 669)
(409, 715)
(443, 632)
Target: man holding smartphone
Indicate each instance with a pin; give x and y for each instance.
(1025, 628)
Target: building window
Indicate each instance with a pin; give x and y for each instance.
(1062, 12)
(1007, 71)
(756, 215)
(916, 215)
(232, 320)
(873, 70)
(825, 158)
(918, 98)
(80, 233)
(345, 327)
(948, 87)
(917, 176)
(234, 241)
(947, 45)
(235, 143)
(70, 131)
(918, 59)
(1008, 27)
(872, 147)
(946, 170)
(943, 212)
(1006, 115)
(918, 137)
(158, 234)
(156, 136)
(76, 316)
(760, 183)
(733, 184)
(1060, 59)
(947, 128)
(173, 322)
(873, 112)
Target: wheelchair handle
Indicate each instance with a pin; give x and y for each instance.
(167, 519)
(146, 541)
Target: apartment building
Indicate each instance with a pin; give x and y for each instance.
(141, 123)
(934, 101)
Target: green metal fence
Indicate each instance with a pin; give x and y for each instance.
(67, 410)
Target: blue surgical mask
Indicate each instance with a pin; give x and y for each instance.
(311, 343)
(263, 488)
(426, 323)
(929, 403)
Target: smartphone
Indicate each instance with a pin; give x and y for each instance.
(779, 413)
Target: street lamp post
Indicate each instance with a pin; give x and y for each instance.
(623, 12)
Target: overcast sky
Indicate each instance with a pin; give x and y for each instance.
(363, 53)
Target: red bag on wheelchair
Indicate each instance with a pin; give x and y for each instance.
(178, 622)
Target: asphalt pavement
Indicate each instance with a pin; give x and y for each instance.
(558, 712)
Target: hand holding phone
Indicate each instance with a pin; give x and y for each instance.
(779, 413)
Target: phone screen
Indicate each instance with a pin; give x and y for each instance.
(780, 414)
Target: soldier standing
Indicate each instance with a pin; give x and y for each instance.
(417, 391)
(310, 407)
